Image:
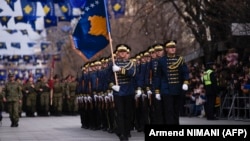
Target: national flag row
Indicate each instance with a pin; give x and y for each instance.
(29, 11)
(23, 74)
(30, 58)
(43, 45)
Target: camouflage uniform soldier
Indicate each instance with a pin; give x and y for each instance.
(43, 88)
(57, 96)
(21, 104)
(71, 95)
(1, 105)
(13, 96)
(29, 89)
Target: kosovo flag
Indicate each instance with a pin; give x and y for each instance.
(66, 8)
(118, 7)
(64, 18)
(15, 58)
(29, 9)
(50, 21)
(44, 46)
(4, 20)
(16, 45)
(3, 45)
(48, 7)
(11, 31)
(27, 58)
(91, 35)
(31, 44)
(11, 4)
(24, 32)
(20, 19)
(38, 73)
(3, 74)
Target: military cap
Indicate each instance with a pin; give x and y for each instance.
(151, 50)
(146, 54)
(123, 47)
(138, 56)
(158, 47)
(97, 63)
(92, 64)
(133, 59)
(170, 44)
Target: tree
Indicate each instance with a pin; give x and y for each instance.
(210, 21)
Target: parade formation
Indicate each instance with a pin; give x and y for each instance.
(112, 96)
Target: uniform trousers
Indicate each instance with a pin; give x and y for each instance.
(171, 109)
(124, 113)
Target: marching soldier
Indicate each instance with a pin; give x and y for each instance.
(83, 106)
(43, 88)
(12, 94)
(71, 90)
(156, 52)
(57, 96)
(1, 105)
(173, 78)
(21, 104)
(124, 91)
(31, 97)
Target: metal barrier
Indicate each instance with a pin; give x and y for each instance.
(235, 106)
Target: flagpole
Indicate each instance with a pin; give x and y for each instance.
(52, 80)
(110, 38)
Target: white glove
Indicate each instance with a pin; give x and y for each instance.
(116, 68)
(149, 92)
(101, 98)
(116, 88)
(85, 99)
(111, 96)
(138, 94)
(185, 87)
(95, 97)
(89, 99)
(158, 96)
(106, 99)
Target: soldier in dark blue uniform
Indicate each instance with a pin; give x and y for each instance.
(142, 81)
(93, 96)
(156, 52)
(173, 79)
(124, 91)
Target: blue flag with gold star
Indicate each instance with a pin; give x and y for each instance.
(48, 7)
(118, 7)
(11, 4)
(29, 9)
(4, 20)
(91, 33)
(3, 74)
(16, 45)
(66, 8)
(3, 45)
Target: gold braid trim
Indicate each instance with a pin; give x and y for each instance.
(176, 64)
